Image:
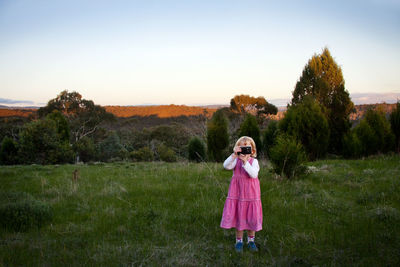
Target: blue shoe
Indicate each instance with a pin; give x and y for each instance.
(252, 246)
(239, 246)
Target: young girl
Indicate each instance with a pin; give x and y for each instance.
(243, 209)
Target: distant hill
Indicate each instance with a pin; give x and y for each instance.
(172, 111)
(16, 112)
(163, 111)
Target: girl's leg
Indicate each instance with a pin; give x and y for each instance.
(251, 233)
(239, 234)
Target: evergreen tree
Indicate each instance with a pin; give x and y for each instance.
(217, 136)
(250, 128)
(322, 78)
(269, 137)
(395, 125)
(306, 122)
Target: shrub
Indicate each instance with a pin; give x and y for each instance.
(269, 137)
(8, 151)
(85, 149)
(352, 146)
(306, 122)
(197, 149)
(166, 154)
(142, 154)
(381, 128)
(374, 133)
(111, 148)
(217, 136)
(22, 212)
(176, 136)
(288, 156)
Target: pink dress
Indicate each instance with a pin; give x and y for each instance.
(243, 209)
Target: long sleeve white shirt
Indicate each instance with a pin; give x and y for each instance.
(251, 169)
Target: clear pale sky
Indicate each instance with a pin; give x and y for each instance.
(191, 52)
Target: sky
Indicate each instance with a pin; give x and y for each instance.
(191, 52)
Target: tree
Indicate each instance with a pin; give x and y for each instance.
(83, 115)
(252, 105)
(395, 125)
(269, 137)
(217, 136)
(62, 124)
(306, 122)
(42, 143)
(322, 78)
(250, 128)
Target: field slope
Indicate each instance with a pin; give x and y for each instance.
(343, 213)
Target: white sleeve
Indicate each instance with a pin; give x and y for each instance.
(253, 169)
(230, 163)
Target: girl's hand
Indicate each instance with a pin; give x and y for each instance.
(236, 149)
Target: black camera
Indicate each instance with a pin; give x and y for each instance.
(245, 150)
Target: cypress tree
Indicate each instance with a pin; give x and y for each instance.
(217, 136)
(323, 79)
(250, 128)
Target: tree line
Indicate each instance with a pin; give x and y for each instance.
(316, 124)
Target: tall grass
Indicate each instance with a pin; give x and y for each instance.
(131, 214)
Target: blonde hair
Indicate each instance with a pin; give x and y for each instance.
(245, 139)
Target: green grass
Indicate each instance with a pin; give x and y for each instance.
(344, 213)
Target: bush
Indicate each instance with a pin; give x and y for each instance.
(381, 128)
(22, 212)
(374, 133)
(166, 154)
(197, 149)
(175, 135)
(269, 137)
(142, 154)
(288, 156)
(306, 122)
(352, 146)
(85, 149)
(8, 151)
(111, 148)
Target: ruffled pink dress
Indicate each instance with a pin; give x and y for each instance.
(243, 209)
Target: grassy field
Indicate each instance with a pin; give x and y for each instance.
(343, 213)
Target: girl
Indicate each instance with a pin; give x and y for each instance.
(243, 209)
